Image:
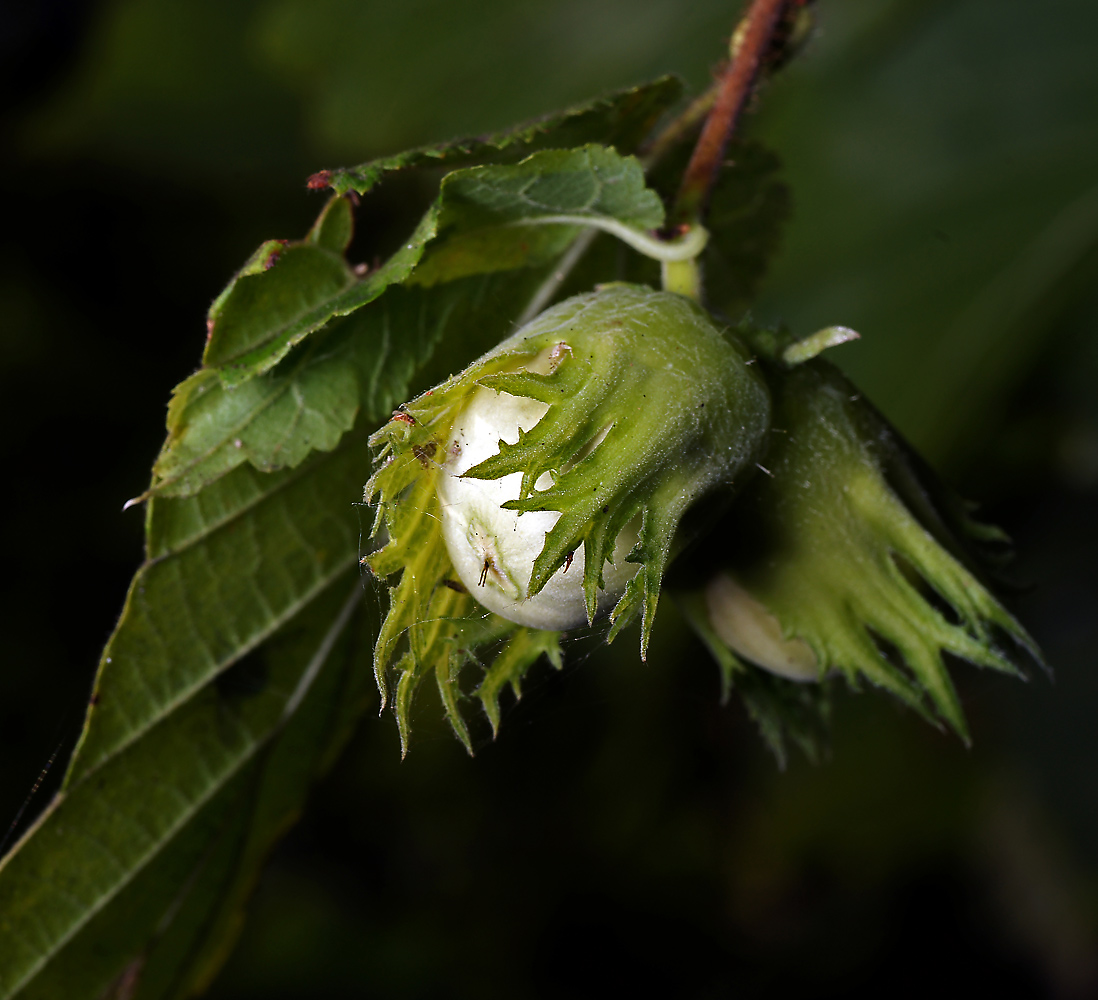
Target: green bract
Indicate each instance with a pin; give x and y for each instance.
(850, 557)
(647, 408)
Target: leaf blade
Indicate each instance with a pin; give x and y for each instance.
(491, 218)
(622, 119)
(143, 806)
(309, 542)
(267, 310)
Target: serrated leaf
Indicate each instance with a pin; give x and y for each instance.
(621, 120)
(268, 304)
(361, 364)
(273, 422)
(172, 732)
(289, 291)
(196, 806)
(278, 415)
(206, 921)
(225, 571)
(489, 216)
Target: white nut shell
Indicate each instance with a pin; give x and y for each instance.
(493, 550)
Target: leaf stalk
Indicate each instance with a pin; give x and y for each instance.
(691, 243)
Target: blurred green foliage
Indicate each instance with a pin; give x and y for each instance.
(943, 160)
(949, 155)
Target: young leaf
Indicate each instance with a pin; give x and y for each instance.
(288, 291)
(489, 222)
(359, 365)
(491, 218)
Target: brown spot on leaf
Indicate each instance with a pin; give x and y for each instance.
(319, 181)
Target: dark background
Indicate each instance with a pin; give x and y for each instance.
(625, 832)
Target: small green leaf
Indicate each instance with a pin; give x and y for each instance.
(268, 304)
(295, 400)
(489, 216)
(286, 294)
(363, 363)
(273, 421)
(621, 120)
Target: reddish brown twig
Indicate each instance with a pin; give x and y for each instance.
(755, 36)
(677, 130)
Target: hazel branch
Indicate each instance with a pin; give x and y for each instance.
(752, 42)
